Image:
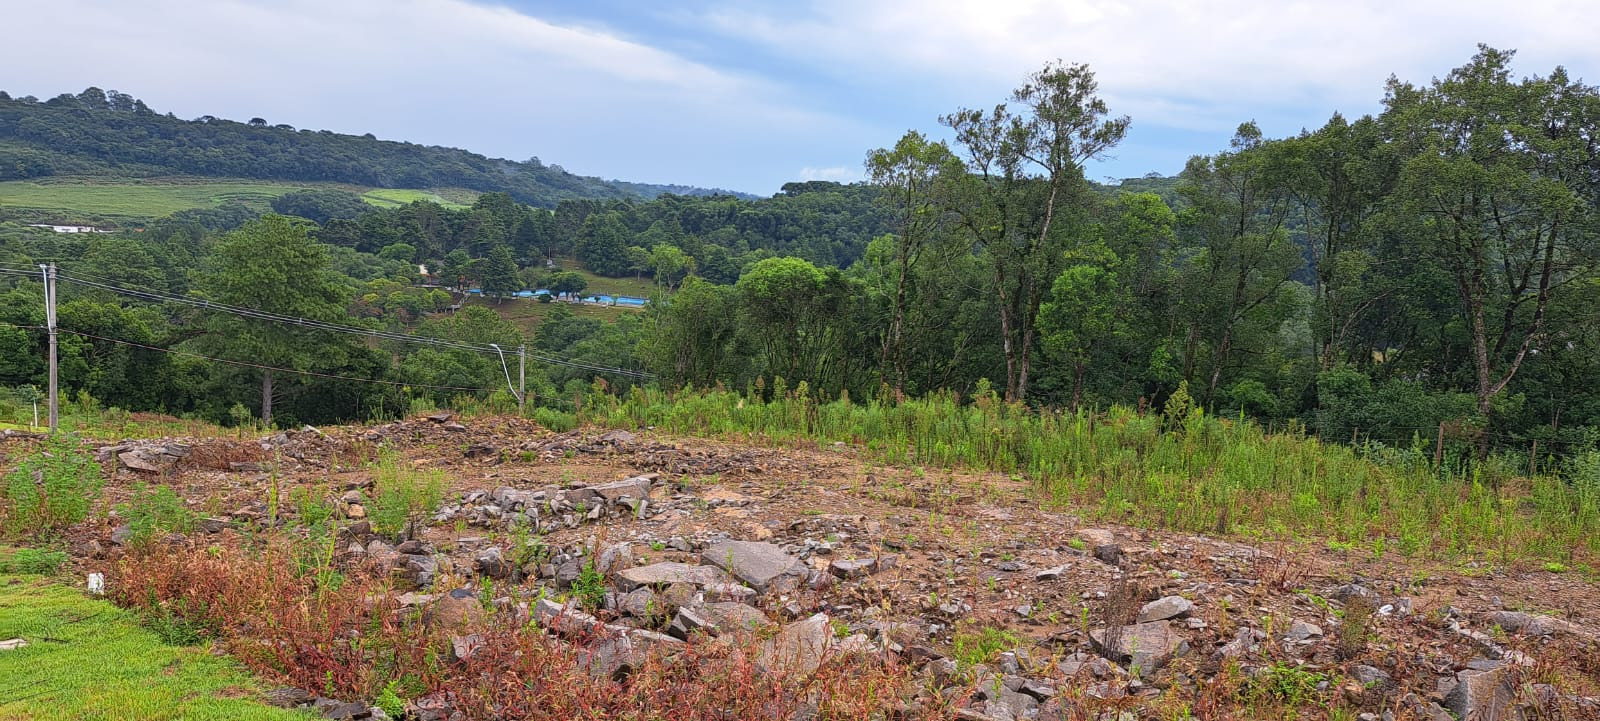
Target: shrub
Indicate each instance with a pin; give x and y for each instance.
(1291, 686)
(590, 587)
(51, 490)
(558, 421)
(971, 646)
(345, 645)
(154, 511)
(403, 496)
(35, 561)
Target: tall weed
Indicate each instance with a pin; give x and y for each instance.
(50, 490)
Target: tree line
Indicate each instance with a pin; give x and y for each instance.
(1430, 268)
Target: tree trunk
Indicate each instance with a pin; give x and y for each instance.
(266, 398)
(1077, 384)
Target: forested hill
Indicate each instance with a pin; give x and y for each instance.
(111, 133)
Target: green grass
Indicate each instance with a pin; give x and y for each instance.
(396, 197)
(1206, 475)
(527, 314)
(598, 284)
(145, 198)
(87, 659)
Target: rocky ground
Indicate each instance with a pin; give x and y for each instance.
(962, 575)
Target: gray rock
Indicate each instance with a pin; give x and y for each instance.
(798, 649)
(1102, 544)
(1040, 690)
(764, 566)
(491, 563)
(1148, 646)
(851, 568)
(566, 620)
(729, 591)
(1164, 608)
(670, 572)
(1302, 631)
(339, 710)
(1531, 624)
(460, 608)
(1012, 705)
(1349, 591)
(1483, 696)
(640, 602)
(636, 488)
(1242, 645)
(1050, 574)
(287, 697)
(729, 617)
(614, 558)
(687, 622)
(1371, 676)
(612, 658)
(568, 572)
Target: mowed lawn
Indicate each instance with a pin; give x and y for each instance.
(88, 659)
(157, 197)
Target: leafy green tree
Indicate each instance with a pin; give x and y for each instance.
(915, 176)
(320, 206)
(1087, 307)
(1498, 191)
(568, 281)
(1239, 206)
(693, 334)
(1026, 167)
(272, 265)
(669, 264)
(500, 272)
(603, 245)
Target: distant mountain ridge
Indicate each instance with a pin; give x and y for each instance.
(111, 133)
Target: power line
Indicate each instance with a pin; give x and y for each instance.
(251, 365)
(356, 379)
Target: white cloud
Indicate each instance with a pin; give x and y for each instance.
(1195, 65)
(448, 72)
(838, 174)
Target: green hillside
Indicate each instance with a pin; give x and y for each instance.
(116, 135)
(73, 199)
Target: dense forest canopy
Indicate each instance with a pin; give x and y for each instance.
(1431, 269)
(114, 133)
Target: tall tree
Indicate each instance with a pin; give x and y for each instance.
(273, 265)
(500, 272)
(913, 175)
(1026, 165)
(1238, 205)
(1498, 189)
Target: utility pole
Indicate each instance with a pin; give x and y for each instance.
(50, 324)
(522, 379)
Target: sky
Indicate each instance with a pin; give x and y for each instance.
(750, 95)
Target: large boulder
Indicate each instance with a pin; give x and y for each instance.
(717, 619)
(764, 566)
(797, 650)
(1164, 608)
(1148, 646)
(1483, 696)
(636, 488)
(459, 608)
(667, 573)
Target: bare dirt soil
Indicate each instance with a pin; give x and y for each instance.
(965, 575)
